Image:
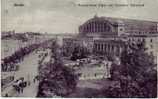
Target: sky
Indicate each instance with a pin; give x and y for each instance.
(65, 16)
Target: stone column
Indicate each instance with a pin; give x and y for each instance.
(99, 27)
(96, 47)
(102, 27)
(87, 28)
(96, 27)
(120, 50)
(105, 47)
(90, 28)
(93, 27)
(109, 48)
(99, 46)
(114, 50)
(102, 47)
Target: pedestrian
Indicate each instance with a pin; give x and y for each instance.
(22, 86)
(25, 84)
(6, 95)
(34, 80)
(22, 89)
(28, 83)
(17, 89)
(28, 78)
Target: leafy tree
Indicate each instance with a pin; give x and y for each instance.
(60, 80)
(75, 53)
(79, 53)
(136, 74)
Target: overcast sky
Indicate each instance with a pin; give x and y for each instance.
(64, 16)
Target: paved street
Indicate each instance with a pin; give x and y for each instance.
(27, 69)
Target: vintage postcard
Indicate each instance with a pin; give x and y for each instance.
(79, 48)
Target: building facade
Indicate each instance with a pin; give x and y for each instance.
(107, 35)
(107, 26)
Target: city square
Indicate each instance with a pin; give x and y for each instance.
(79, 49)
(32, 62)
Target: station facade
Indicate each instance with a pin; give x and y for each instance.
(106, 35)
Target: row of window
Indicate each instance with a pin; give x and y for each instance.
(91, 75)
(99, 27)
(105, 47)
(139, 39)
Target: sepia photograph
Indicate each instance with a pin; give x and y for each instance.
(79, 48)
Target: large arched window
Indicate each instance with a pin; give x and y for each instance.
(97, 26)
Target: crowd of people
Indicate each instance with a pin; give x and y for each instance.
(22, 83)
(19, 85)
(9, 62)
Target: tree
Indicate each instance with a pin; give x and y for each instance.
(59, 80)
(79, 52)
(75, 53)
(136, 74)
